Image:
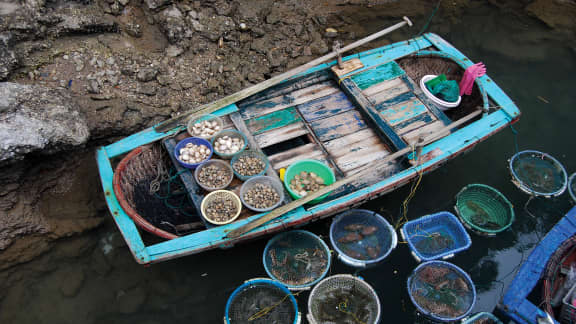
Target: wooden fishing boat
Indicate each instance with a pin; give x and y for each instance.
(367, 119)
(543, 268)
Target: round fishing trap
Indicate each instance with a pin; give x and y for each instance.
(482, 318)
(572, 186)
(362, 237)
(484, 209)
(261, 301)
(441, 291)
(343, 299)
(298, 259)
(150, 192)
(538, 174)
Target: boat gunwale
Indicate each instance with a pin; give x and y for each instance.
(451, 146)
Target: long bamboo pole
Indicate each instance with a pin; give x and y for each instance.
(375, 166)
(245, 93)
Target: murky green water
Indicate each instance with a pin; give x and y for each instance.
(529, 62)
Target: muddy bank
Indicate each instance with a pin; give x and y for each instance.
(124, 65)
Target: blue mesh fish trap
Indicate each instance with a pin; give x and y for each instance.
(482, 318)
(435, 236)
(261, 301)
(441, 291)
(538, 174)
(362, 237)
(297, 259)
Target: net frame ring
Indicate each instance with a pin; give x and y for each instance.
(362, 263)
(454, 268)
(312, 236)
(525, 188)
(356, 279)
(248, 283)
(571, 183)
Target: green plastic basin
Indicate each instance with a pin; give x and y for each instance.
(308, 165)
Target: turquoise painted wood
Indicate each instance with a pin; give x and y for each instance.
(401, 112)
(438, 153)
(325, 107)
(370, 77)
(124, 223)
(277, 119)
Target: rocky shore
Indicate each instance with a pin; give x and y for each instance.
(76, 74)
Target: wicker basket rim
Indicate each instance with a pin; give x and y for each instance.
(506, 202)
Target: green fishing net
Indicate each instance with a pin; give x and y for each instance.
(484, 208)
(446, 90)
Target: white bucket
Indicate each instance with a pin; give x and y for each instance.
(443, 105)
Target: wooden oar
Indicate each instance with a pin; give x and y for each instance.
(375, 166)
(245, 93)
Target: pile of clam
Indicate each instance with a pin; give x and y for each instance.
(306, 182)
(228, 144)
(193, 153)
(214, 176)
(261, 196)
(206, 128)
(249, 166)
(221, 209)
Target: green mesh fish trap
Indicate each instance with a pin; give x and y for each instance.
(484, 209)
(261, 301)
(441, 291)
(343, 299)
(538, 174)
(297, 259)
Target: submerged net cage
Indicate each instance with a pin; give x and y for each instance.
(572, 186)
(538, 174)
(435, 236)
(150, 192)
(425, 63)
(297, 259)
(441, 291)
(343, 299)
(362, 237)
(482, 318)
(261, 301)
(484, 209)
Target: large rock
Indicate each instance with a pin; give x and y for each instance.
(37, 119)
(559, 14)
(8, 61)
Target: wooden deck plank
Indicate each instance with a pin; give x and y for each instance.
(338, 125)
(384, 130)
(288, 100)
(387, 90)
(362, 156)
(414, 123)
(403, 111)
(350, 139)
(412, 137)
(339, 151)
(325, 107)
(347, 67)
(281, 134)
(434, 109)
(273, 120)
(383, 72)
(307, 151)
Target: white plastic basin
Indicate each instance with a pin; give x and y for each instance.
(444, 105)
